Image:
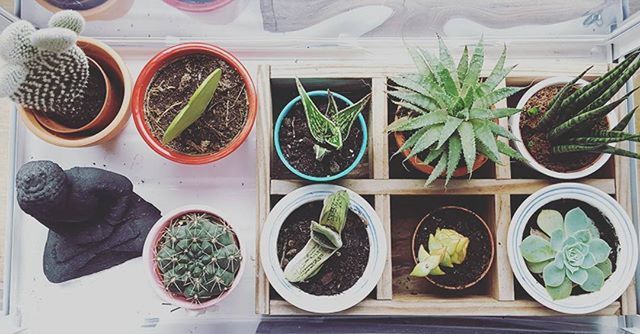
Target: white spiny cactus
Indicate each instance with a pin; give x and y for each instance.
(46, 70)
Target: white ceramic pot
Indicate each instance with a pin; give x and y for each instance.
(150, 264)
(271, 262)
(514, 124)
(627, 252)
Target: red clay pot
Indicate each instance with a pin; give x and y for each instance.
(164, 58)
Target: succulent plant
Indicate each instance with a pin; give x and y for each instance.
(331, 129)
(573, 110)
(326, 239)
(45, 71)
(451, 109)
(567, 252)
(194, 109)
(446, 248)
(198, 257)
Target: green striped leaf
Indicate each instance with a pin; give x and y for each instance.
(332, 106)
(322, 128)
(468, 140)
(554, 106)
(559, 149)
(345, 118)
(450, 126)
(625, 120)
(455, 152)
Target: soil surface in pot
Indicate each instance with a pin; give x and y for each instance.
(607, 232)
(342, 270)
(478, 252)
(86, 109)
(297, 143)
(539, 146)
(172, 87)
(76, 4)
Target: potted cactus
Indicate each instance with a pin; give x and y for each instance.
(193, 257)
(572, 248)
(323, 248)
(453, 248)
(320, 143)
(71, 91)
(170, 83)
(445, 114)
(569, 128)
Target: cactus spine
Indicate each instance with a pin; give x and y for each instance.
(46, 71)
(198, 257)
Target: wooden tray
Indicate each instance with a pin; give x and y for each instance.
(401, 200)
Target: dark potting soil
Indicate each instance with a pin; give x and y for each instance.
(342, 270)
(172, 87)
(539, 145)
(297, 143)
(76, 4)
(478, 252)
(86, 109)
(607, 232)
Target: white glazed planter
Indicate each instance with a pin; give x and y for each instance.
(514, 124)
(271, 262)
(627, 252)
(149, 251)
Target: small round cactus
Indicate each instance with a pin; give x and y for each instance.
(198, 257)
(46, 71)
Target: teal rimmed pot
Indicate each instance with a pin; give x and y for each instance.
(276, 139)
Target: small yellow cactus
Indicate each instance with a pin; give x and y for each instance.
(446, 248)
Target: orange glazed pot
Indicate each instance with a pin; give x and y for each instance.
(168, 56)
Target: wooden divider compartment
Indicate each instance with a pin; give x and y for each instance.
(401, 200)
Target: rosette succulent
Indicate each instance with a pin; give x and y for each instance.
(198, 257)
(567, 252)
(450, 110)
(331, 129)
(446, 248)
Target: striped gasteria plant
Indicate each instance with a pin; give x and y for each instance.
(569, 112)
(451, 110)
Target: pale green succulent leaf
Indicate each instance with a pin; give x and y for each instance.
(538, 267)
(558, 260)
(557, 237)
(422, 254)
(606, 267)
(553, 276)
(594, 281)
(599, 249)
(576, 220)
(549, 221)
(307, 262)
(579, 276)
(562, 291)
(588, 262)
(536, 249)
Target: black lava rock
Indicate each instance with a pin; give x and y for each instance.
(95, 219)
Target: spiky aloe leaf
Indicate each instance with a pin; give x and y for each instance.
(429, 138)
(344, 119)
(486, 137)
(463, 64)
(437, 170)
(322, 128)
(416, 86)
(586, 117)
(482, 149)
(625, 120)
(499, 94)
(195, 107)
(328, 231)
(433, 155)
(498, 73)
(417, 99)
(446, 60)
(481, 113)
(468, 141)
(454, 154)
(554, 106)
(411, 141)
(505, 112)
(500, 131)
(450, 126)
(419, 60)
(475, 67)
(510, 152)
(418, 122)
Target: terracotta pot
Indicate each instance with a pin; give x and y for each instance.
(166, 57)
(417, 163)
(195, 7)
(480, 221)
(91, 9)
(151, 266)
(109, 122)
(106, 114)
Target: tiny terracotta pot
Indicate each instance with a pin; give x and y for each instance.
(113, 116)
(419, 165)
(168, 56)
(479, 221)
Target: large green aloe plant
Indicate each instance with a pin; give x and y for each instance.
(573, 110)
(567, 252)
(451, 110)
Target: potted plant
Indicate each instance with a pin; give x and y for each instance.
(445, 113)
(572, 247)
(569, 129)
(198, 5)
(90, 9)
(165, 88)
(193, 257)
(323, 248)
(71, 91)
(315, 138)
(453, 248)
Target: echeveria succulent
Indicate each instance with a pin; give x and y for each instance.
(446, 247)
(567, 252)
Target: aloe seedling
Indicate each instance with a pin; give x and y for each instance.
(331, 129)
(451, 110)
(198, 257)
(569, 112)
(195, 108)
(446, 248)
(325, 239)
(567, 252)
